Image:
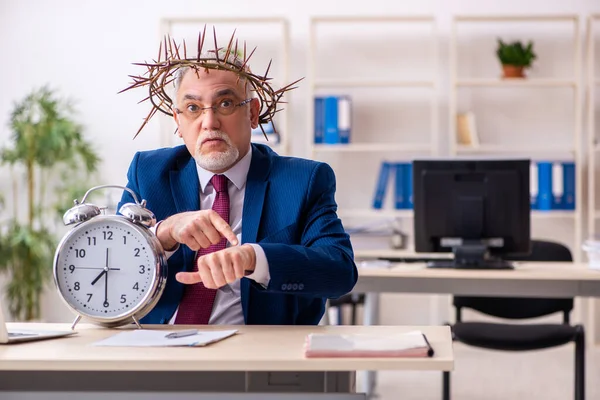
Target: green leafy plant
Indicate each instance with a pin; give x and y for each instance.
(45, 142)
(515, 53)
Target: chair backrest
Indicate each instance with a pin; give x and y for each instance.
(523, 307)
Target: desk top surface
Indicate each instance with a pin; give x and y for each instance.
(253, 348)
(557, 271)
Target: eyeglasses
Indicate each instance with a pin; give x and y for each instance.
(224, 107)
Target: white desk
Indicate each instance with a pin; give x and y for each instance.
(528, 279)
(237, 366)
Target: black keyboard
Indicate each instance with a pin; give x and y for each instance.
(486, 265)
(409, 259)
(449, 263)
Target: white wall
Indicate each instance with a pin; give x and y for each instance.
(85, 49)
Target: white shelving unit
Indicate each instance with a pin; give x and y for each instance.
(532, 150)
(397, 83)
(540, 149)
(276, 27)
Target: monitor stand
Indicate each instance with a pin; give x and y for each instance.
(471, 256)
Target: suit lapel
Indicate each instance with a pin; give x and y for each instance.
(256, 188)
(254, 198)
(185, 188)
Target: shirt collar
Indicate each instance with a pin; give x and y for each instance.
(236, 174)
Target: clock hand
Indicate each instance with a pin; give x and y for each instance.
(106, 281)
(104, 270)
(99, 276)
(106, 287)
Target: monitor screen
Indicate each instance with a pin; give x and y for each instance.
(472, 206)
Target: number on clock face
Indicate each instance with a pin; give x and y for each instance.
(105, 268)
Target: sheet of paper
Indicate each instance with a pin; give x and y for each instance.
(156, 338)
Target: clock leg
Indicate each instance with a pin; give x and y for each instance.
(77, 319)
(136, 322)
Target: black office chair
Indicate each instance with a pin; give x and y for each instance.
(512, 337)
(351, 299)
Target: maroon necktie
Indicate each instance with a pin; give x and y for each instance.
(197, 302)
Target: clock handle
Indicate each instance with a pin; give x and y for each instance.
(137, 213)
(111, 186)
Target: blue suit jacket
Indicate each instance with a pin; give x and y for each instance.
(289, 209)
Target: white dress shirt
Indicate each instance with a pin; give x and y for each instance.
(227, 308)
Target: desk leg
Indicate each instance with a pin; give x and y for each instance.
(371, 317)
(325, 320)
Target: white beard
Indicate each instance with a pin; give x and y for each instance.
(216, 160)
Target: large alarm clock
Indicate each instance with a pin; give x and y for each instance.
(110, 269)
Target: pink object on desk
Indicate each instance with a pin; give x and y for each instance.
(410, 344)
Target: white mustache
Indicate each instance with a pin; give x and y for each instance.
(213, 135)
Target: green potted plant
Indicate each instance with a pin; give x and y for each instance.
(515, 57)
(45, 143)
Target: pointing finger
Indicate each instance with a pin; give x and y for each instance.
(188, 278)
(224, 228)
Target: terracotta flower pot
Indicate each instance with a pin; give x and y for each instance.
(513, 71)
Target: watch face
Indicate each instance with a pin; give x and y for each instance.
(105, 268)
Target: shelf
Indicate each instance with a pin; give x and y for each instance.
(515, 82)
(366, 18)
(515, 18)
(359, 83)
(543, 214)
(223, 20)
(370, 147)
(492, 148)
(372, 213)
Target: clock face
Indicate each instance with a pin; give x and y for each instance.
(105, 268)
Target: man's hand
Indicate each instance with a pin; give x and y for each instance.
(196, 229)
(221, 267)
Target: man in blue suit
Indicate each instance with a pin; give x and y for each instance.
(287, 250)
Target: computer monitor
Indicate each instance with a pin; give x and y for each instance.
(479, 209)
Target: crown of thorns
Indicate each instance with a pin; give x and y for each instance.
(161, 73)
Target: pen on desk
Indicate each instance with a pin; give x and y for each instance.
(180, 334)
